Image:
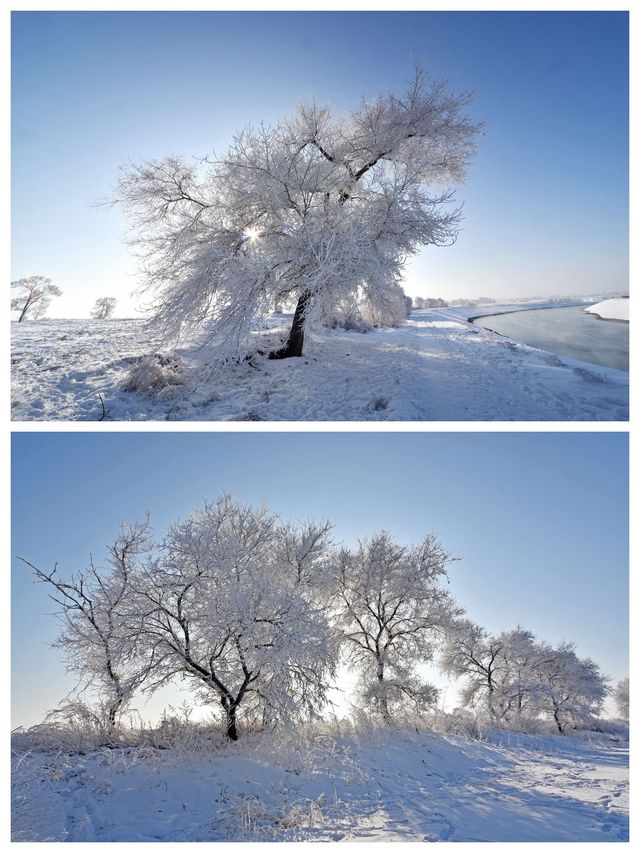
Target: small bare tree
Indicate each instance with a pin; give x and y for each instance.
(33, 291)
(103, 308)
(94, 639)
(392, 608)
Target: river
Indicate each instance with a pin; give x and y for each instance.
(566, 331)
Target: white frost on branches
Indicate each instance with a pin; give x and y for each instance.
(33, 296)
(392, 608)
(103, 307)
(514, 678)
(315, 210)
(228, 601)
(93, 603)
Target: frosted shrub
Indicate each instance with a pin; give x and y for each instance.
(590, 375)
(346, 315)
(457, 722)
(72, 728)
(253, 819)
(154, 374)
(386, 309)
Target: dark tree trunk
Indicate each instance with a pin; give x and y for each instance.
(556, 717)
(382, 700)
(232, 728)
(113, 713)
(292, 348)
(24, 310)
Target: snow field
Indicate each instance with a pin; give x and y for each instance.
(437, 367)
(368, 785)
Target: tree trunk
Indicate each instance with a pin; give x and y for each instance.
(232, 728)
(556, 717)
(382, 700)
(24, 310)
(294, 343)
(113, 713)
(492, 710)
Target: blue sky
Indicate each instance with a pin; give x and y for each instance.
(546, 204)
(538, 520)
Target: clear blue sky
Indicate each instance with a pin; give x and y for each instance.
(539, 520)
(546, 205)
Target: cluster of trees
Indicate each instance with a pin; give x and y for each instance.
(315, 211)
(515, 678)
(435, 302)
(430, 302)
(257, 614)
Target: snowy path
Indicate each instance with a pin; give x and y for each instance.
(379, 786)
(465, 791)
(437, 367)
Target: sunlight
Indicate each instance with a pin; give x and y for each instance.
(252, 233)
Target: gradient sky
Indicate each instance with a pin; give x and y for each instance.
(546, 205)
(539, 520)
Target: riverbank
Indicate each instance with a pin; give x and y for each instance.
(437, 367)
(568, 331)
(611, 309)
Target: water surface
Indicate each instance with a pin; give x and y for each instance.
(566, 331)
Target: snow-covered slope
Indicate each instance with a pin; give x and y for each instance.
(611, 309)
(438, 367)
(373, 786)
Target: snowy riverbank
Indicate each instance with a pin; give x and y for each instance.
(376, 785)
(437, 367)
(611, 309)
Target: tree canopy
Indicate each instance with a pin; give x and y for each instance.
(314, 210)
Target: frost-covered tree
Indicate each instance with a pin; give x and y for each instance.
(391, 605)
(573, 689)
(621, 698)
(33, 291)
(315, 210)
(103, 307)
(513, 677)
(94, 637)
(519, 660)
(470, 653)
(228, 601)
(39, 310)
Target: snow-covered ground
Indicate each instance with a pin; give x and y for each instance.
(611, 309)
(377, 785)
(437, 367)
